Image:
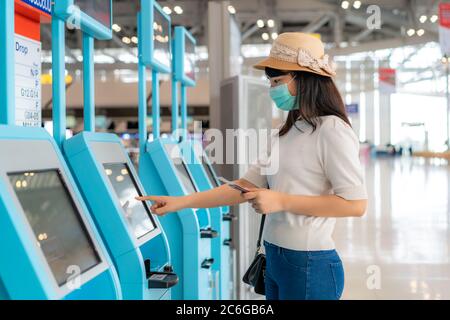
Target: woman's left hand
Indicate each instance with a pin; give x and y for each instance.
(265, 201)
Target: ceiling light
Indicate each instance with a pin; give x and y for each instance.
(116, 28)
(420, 32)
(270, 23)
(167, 10)
(411, 32)
(126, 40)
(260, 23)
(134, 39)
(231, 9)
(434, 18)
(345, 5)
(265, 36)
(274, 35)
(423, 18)
(357, 4)
(178, 10)
(104, 59)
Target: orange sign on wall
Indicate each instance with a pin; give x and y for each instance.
(28, 20)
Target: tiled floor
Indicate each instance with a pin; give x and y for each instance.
(401, 248)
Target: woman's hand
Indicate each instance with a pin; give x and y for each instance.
(164, 205)
(265, 201)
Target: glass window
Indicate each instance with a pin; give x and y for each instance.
(419, 121)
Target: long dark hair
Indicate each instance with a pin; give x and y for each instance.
(317, 96)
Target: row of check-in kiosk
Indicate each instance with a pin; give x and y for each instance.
(70, 226)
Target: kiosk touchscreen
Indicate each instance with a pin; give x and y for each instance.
(55, 221)
(210, 172)
(161, 43)
(190, 187)
(49, 247)
(136, 213)
(188, 231)
(48, 233)
(190, 58)
(105, 174)
(98, 10)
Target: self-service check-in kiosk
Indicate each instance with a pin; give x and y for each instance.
(49, 248)
(106, 177)
(189, 231)
(184, 63)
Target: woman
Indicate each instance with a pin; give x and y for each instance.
(319, 178)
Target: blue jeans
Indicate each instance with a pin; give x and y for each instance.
(303, 275)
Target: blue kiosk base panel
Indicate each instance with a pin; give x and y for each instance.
(206, 179)
(191, 259)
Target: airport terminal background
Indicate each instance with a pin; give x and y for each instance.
(394, 78)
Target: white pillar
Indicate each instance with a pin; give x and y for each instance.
(355, 72)
(385, 113)
(369, 90)
(224, 47)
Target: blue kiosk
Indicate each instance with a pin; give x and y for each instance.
(50, 248)
(184, 63)
(162, 172)
(104, 172)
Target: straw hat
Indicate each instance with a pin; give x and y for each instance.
(296, 51)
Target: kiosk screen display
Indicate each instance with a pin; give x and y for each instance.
(184, 175)
(174, 153)
(55, 221)
(190, 59)
(210, 173)
(136, 212)
(99, 10)
(161, 41)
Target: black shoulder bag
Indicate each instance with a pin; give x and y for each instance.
(256, 272)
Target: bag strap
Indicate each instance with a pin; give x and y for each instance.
(261, 229)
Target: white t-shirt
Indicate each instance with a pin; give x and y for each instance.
(322, 162)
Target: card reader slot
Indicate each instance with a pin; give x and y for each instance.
(208, 233)
(207, 263)
(229, 217)
(160, 280)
